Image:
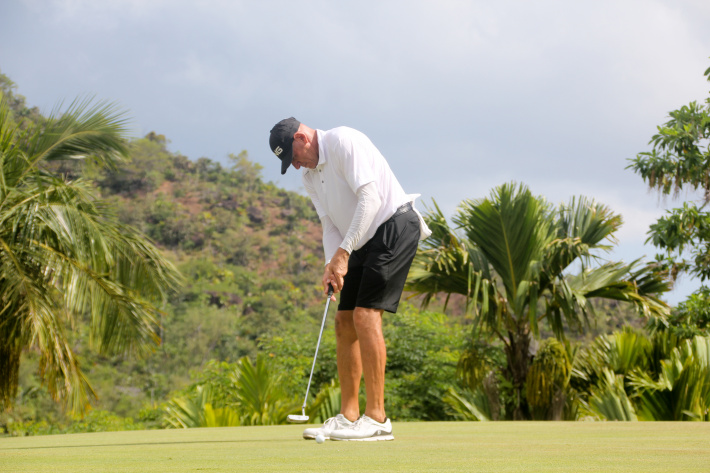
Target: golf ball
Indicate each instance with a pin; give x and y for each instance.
(320, 438)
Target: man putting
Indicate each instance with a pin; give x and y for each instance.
(371, 232)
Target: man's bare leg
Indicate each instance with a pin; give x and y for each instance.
(349, 364)
(373, 356)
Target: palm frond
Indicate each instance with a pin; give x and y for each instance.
(326, 403)
(682, 389)
(639, 284)
(609, 400)
(259, 396)
(511, 231)
(443, 263)
(64, 254)
(468, 406)
(86, 129)
(582, 227)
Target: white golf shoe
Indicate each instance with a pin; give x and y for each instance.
(334, 423)
(364, 429)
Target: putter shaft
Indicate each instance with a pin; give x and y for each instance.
(315, 356)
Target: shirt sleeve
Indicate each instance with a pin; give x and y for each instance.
(368, 204)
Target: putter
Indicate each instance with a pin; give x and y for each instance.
(300, 419)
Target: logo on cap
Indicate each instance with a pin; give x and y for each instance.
(278, 151)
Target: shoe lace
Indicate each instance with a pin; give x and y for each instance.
(332, 422)
(358, 423)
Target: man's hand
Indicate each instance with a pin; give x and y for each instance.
(335, 271)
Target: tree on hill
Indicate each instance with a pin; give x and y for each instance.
(18, 111)
(64, 256)
(513, 263)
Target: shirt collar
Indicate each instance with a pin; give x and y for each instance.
(322, 156)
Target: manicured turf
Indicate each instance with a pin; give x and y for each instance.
(427, 447)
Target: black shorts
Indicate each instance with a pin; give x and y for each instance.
(377, 271)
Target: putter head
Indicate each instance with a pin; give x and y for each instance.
(298, 419)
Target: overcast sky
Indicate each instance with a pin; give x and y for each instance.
(460, 96)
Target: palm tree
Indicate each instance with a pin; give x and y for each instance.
(64, 254)
(513, 262)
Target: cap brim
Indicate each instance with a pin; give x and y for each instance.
(286, 162)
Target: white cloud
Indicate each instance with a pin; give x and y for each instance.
(96, 15)
(461, 96)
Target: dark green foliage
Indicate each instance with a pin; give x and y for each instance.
(422, 352)
(689, 318)
(146, 172)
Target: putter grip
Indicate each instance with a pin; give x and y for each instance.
(330, 290)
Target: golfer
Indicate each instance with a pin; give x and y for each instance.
(371, 232)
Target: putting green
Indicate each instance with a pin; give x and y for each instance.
(421, 446)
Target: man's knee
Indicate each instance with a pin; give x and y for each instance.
(367, 320)
(344, 325)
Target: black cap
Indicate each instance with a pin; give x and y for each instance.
(281, 141)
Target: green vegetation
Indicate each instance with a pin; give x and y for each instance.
(631, 376)
(64, 256)
(679, 161)
(522, 318)
(512, 263)
(247, 394)
(224, 229)
(250, 257)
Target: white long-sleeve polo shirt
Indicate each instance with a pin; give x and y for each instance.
(348, 161)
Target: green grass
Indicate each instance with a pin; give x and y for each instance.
(428, 447)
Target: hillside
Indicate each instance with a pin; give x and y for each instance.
(250, 254)
(251, 258)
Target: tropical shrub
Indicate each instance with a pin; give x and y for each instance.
(242, 393)
(631, 376)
